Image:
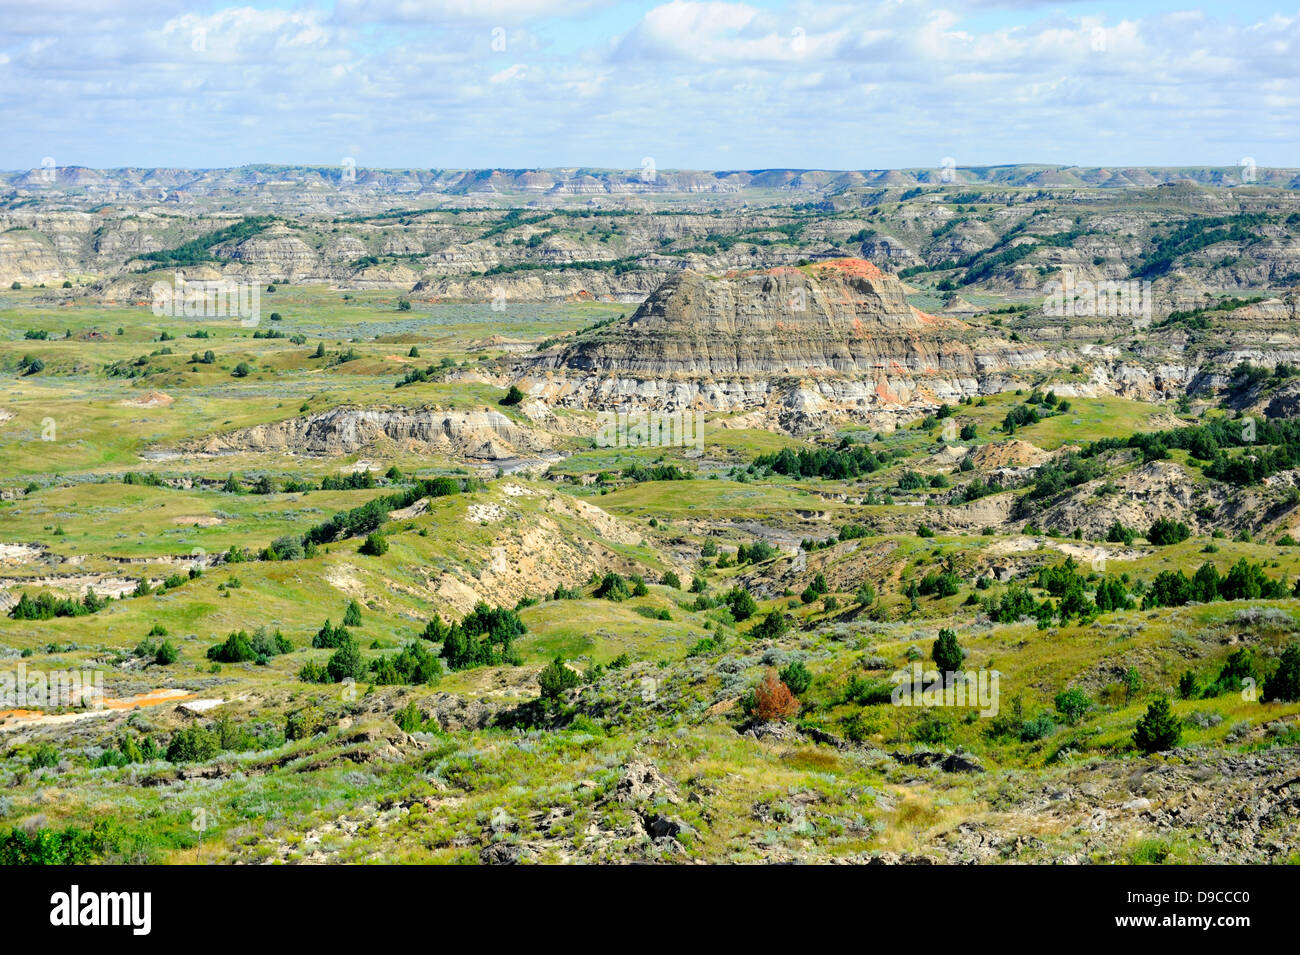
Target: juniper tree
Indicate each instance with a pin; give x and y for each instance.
(946, 652)
(1160, 729)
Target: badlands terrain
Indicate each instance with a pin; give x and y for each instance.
(584, 515)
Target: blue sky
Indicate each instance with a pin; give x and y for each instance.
(693, 85)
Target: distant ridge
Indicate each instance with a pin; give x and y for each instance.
(560, 182)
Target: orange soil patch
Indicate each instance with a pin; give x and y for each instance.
(884, 392)
(860, 268)
(945, 321)
(154, 399)
(19, 714)
(152, 698)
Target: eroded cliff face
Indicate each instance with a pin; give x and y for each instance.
(802, 343)
(572, 285)
(486, 435)
(27, 256)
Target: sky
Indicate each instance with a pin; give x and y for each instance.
(680, 84)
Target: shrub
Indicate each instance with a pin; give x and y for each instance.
(1236, 670)
(483, 638)
(1284, 684)
(193, 744)
(1072, 704)
(796, 676)
(555, 678)
(940, 583)
(409, 719)
(867, 691)
(45, 606)
(1132, 682)
(740, 603)
(413, 666)
(238, 648)
(304, 723)
(1040, 727)
(776, 624)
(815, 589)
(772, 700)
(71, 846)
(705, 646)
(1119, 534)
(670, 579)
(45, 757)
(866, 593)
(1159, 730)
(242, 370)
(312, 672)
(375, 545)
(934, 729)
(166, 654)
(1164, 532)
(613, 587)
(910, 481)
(330, 637)
(266, 645)
(513, 396)
(352, 615)
(346, 663)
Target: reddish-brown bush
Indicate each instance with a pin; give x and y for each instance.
(773, 699)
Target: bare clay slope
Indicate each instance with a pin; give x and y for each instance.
(841, 329)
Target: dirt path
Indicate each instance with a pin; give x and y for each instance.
(25, 719)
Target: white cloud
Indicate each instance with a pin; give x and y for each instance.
(460, 11)
(515, 71)
(692, 83)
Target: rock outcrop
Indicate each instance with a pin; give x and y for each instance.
(805, 343)
(486, 434)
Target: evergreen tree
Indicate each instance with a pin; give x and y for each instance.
(740, 603)
(352, 616)
(946, 652)
(346, 662)
(555, 678)
(1284, 684)
(775, 624)
(796, 677)
(1160, 729)
(866, 593)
